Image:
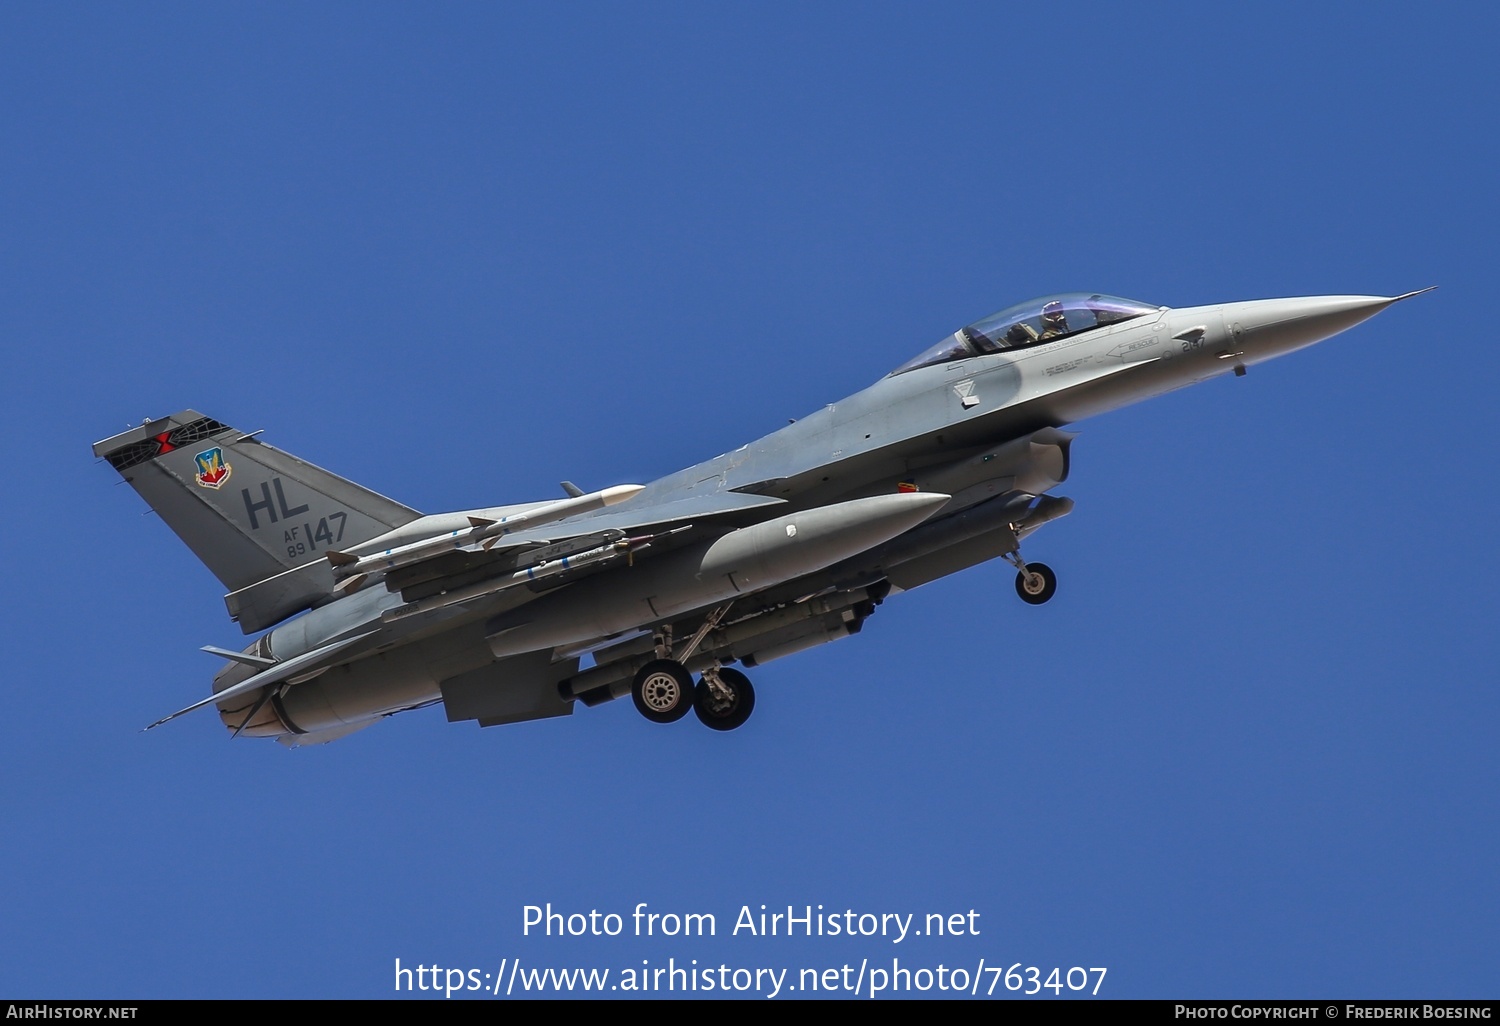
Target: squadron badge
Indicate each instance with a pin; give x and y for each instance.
(212, 470)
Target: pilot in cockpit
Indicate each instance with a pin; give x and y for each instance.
(1054, 321)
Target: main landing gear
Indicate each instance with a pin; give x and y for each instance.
(663, 689)
(724, 698)
(1035, 582)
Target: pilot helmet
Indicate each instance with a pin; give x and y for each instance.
(1052, 313)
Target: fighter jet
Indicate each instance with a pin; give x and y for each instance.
(788, 542)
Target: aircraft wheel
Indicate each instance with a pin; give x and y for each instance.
(663, 691)
(725, 713)
(1036, 584)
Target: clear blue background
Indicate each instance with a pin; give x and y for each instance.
(459, 254)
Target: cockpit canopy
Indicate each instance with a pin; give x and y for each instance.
(1030, 323)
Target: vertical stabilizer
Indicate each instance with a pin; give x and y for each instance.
(247, 510)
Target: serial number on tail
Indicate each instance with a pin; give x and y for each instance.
(302, 539)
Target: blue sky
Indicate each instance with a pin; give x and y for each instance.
(460, 255)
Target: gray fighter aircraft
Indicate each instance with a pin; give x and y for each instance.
(785, 543)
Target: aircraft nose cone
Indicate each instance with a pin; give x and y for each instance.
(1264, 328)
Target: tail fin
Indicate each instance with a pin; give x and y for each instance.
(247, 510)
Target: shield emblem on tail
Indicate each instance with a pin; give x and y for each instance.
(212, 470)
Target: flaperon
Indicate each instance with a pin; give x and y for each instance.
(785, 543)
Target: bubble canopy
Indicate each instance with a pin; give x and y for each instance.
(1030, 323)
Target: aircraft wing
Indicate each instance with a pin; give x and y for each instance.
(476, 546)
(559, 551)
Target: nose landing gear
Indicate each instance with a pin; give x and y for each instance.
(1035, 582)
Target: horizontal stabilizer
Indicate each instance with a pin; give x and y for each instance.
(317, 659)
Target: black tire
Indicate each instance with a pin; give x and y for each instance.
(663, 691)
(720, 715)
(1027, 587)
